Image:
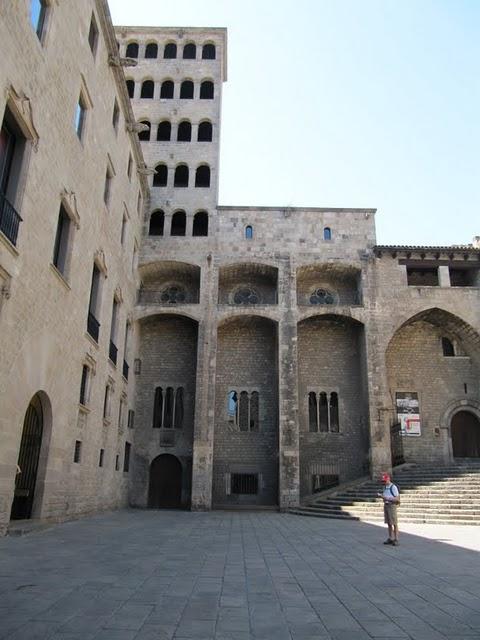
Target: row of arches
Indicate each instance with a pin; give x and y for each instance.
(178, 223)
(166, 91)
(181, 176)
(184, 131)
(171, 51)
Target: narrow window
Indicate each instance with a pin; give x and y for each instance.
(232, 407)
(108, 186)
(202, 176)
(130, 88)
(157, 220)
(38, 13)
(151, 50)
(448, 348)
(206, 90)
(117, 462)
(61, 247)
(208, 52)
(243, 412)
(200, 224)
(186, 90)
(178, 423)
(77, 454)
(204, 131)
(254, 411)
(248, 232)
(144, 136)
(323, 411)
(84, 385)
(327, 233)
(184, 132)
(93, 35)
(12, 148)
(132, 50)
(170, 51)
(179, 222)
(312, 412)
(106, 402)
(80, 113)
(181, 176)
(158, 408)
(129, 166)
(126, 457)
(168, 415)
(131, 419)
(161, 175)
(121, 415)
(113, 349)
(147, 89)
(334, 422)
(139, 203)
(126, 344)
(93, 326)
(115, 115)
(164, 131)
(166, 90)
(124, 229)
(189, 51)
(101, 457)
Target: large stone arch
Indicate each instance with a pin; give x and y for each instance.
(417, 363)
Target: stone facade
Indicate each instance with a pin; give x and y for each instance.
(266, 345)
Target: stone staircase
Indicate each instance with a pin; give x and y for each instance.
(430, 494)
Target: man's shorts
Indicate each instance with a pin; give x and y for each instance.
(390, 514)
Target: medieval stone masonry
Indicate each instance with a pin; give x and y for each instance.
(160, 350)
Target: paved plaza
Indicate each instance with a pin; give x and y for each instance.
(163, 575)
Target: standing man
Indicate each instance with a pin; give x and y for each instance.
(391, 499)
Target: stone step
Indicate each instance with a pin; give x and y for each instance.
(419, 519)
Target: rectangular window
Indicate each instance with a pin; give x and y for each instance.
(126, 458)
(61, 247)
(418, 277)
(84, 385)
(244, 483)
(77, 454)
(139, 203)
(116, 115)
(93, 35)
(106, 402)
(113, 350)
(117, 462)
(131, 418)
(108, 186)
(121, 415)
(463, 277)
(101, 457)
(12, 149)
(124, 228)
(93, 326)
(129, 166)
(38, 13)
(80, 113)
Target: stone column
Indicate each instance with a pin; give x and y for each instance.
(205, 391)
(443, 276)
(289, 459)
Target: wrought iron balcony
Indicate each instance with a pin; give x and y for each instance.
(9, 219)
(125, 369)
(93, 326)
(112, 352)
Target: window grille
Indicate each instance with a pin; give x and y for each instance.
(244, 483)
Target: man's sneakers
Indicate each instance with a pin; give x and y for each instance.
(394, 543)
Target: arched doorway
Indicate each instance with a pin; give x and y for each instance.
(28, 458)
(165, 488)
(465, 430)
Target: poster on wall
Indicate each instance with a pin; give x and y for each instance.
(408, 413)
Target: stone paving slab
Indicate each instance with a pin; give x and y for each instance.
(166, 575)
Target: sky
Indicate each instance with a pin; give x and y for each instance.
(347, 103)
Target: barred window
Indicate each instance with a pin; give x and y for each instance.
(243, 410)
(323, 412)
(168, 408)
(244, 483)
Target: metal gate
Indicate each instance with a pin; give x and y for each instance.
(28, 461)
(396, 444)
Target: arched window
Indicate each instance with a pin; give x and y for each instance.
(147, 89)
(164, 131)
(323, 411)
(181, 176)
(166, 90)
(254, 411)
(184, 131)
(144, 135)
(178, 421)
(447, 347)
(158, 408)
(200, 224)
(334, 425)
(312, 412)
(248, 232)
(168, 414)
(204, 131)
(202, 176)
(186, 90)
(179, 223)
(130, 88)
(189, 51)
(161, 175)
(151, 50)
(157, 220)
(206, 90)
(327, 233)
(132, 50)
(208, 52)
(243, 411)
(170, 51)
(232, 407)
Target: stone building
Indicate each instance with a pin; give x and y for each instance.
(270, 351)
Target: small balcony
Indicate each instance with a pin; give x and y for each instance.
(112, 352)
(93, 326)
(9, 219)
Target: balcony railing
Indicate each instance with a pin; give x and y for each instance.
(125, 369)
(112, 352)
(93, 326)
(9, 219)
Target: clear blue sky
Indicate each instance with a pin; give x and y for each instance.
(347, 103)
